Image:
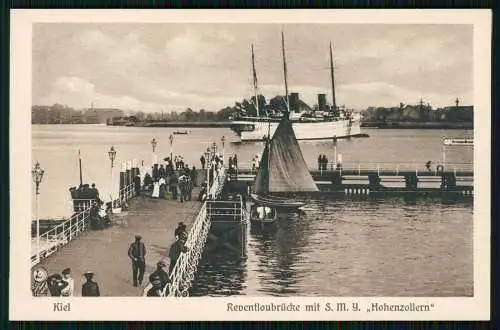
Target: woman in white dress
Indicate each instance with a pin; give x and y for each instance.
(156, 190)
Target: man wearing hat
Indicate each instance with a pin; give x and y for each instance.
(181, 229)
(160, 273)
(137, 253)
(175, 251)
(68, 290)
(90, 288)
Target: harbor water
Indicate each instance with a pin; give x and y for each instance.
(389, 247)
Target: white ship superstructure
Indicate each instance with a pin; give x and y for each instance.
(327, 122)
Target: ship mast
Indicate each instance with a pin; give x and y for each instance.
(255, 83)
(285, 73)
(80, 165)
(334, 104)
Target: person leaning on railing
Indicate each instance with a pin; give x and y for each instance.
(176, 249)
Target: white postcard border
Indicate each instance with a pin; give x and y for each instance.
(23, 306)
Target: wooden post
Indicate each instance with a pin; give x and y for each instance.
(122, 180)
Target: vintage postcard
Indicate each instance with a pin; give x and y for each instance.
(250, 165)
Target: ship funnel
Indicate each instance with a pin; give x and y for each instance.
(322, 102)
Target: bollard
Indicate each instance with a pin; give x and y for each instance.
(374, 181)
(411, 182)
(128, 174)
(122, 180)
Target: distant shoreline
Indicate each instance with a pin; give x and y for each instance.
(227, 124)
(421, 125)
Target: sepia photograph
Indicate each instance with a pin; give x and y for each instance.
(248, 159)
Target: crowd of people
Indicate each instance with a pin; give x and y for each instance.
(172, 180)
(62, 285)
(322, 163)
(159, 278)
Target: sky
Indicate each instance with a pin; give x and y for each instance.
(169, 67)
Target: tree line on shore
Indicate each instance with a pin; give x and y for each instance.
(62, 114)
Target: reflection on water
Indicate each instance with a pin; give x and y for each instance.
(387, 247)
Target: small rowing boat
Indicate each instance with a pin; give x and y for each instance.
(458, 141)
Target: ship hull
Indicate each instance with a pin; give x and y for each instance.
(321, 130)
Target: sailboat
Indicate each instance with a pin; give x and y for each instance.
(282, 169)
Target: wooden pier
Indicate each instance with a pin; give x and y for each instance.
(105, 251)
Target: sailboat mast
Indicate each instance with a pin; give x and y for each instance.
(255, 83)
(284, 71)
(334, 103)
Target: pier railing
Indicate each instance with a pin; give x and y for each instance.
(185, 268)
(60, 235)
(124, 195)
(381, 167)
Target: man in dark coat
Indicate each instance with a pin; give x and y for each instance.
(173, 185)
(161, 172)
(90, 288)
(194, 176)
(235, 161)
(137, 185)
(202, 161)
(160, 273)
(175, 251)
(137, 253)
(181, 229)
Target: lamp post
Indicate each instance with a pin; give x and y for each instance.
(37, 174)
(153, 144)
(335, 151)
(112, 156)
(223, 140)
(444, 153)
(207, 159)
(171, 140)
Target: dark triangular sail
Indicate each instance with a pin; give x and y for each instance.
(287, 170)
(261, 185)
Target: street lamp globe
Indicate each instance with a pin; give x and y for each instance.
(37, 174)
(153, 144)
(112, 155)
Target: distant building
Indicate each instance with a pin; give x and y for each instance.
(91, 116)
(104, 114)
(459, 113)
(40, 114)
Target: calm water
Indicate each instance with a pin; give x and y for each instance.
(388, 247)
